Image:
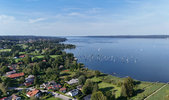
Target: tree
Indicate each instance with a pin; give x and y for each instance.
(35, 80)
(82, 80)
(96, 73)
(85, 89)
(34, 72)
(3, 88)
(4, 69)
(78, 65)
(95, 88)
(22, 79)
(88, 87)
(127, 87)
(98, 96)
(109, 95)
(27, 60)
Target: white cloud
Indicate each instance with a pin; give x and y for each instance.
(5, 17)
(36, 20)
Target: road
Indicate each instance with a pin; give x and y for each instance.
(56, 95)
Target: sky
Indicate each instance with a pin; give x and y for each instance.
(84, 17)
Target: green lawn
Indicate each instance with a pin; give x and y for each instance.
(147, 91)
(163, 94)
(53, 56)
(52, 98)
(107, 87)
(5, 50)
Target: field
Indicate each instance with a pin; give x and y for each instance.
(163, 94)
(107, 87)
(53, 56)
(143, 93)
(5, 50)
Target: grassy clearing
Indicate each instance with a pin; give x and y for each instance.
(147, 91)
(21, 53)
(52, 98)
(53, 56)
(163, 94)
(4, 50)
(107, 87)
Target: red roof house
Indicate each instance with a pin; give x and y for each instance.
(16, 75)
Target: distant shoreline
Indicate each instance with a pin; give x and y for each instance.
(132, 36)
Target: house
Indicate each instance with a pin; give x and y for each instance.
(62, 90)
(88, 97)
(72, 92)
(4, 98)
(22, 56)
(15, 97)
(79, 87)
(10, 72)
(50, 85)
(35, 92)
(29, 80)
(73, 81)
(44, 60)
(15, 57)
(61, 66)
(17, 75)
(20, 63)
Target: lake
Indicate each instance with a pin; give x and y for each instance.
(141, 59)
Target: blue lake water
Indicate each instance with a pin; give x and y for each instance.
(141, 59)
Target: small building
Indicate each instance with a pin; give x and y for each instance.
(79, 87)
(73, 81)
(61, 67)
(10, 72)
(15, 57)
(50, 85)
(4, 98)
(44, 60)
(88, 97)
(15, 97)
(16, 75)
(29, 80)
(72, 92)
(35, 92)
(62, 90)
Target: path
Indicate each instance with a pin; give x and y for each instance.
(56, 95)
(156, 91)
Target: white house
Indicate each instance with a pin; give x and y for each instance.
(73, 92)
(73, 81)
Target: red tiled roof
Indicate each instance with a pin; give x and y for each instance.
(16, 75)
(11, 68)
(62, 89)
(3, 98)
(50, 87)
(26, 84)
(44, 60)
(33, 92)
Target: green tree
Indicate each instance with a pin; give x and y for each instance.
(34, 98)
(35, 80)
(109, 95)
(95, 88)
(127, 87)
(27, 60)
(4, 69)
(82, 80)
(3, 88)
(96, 73)
(34, 72)
(98, 96)
(21, 80)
